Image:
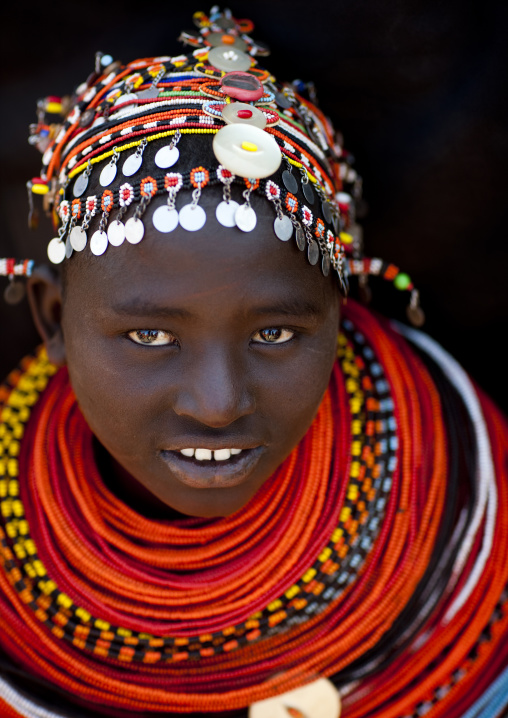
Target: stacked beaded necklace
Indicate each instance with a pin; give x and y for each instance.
(358, 559)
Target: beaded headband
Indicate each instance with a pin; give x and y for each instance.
(267, 137)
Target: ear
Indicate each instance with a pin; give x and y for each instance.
(45, 298)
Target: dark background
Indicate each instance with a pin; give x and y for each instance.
(419, 89)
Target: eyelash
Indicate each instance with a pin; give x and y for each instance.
(135, 336)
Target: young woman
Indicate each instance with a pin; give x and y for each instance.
(224, 489)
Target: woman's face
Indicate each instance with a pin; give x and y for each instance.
(211, 341)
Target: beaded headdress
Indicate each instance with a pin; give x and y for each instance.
(254, 134)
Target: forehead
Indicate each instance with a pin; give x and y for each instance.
(213, 265)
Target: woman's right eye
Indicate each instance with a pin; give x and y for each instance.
(152, 337)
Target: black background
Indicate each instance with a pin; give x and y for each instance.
(419, 89)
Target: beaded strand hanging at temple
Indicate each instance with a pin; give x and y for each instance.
(267, 137)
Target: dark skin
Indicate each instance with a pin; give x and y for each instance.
(214, 339)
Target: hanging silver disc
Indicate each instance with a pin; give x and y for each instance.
(167, 157)
(282, 100)
(99, 242)
(116, 233)
(78, 239)
(165, 219)
(80, 185)
(149, 94)
(325, 264)
(327, 211)
(313, 252)
(14, 292)
(134, 230)
(308, 192)
(300, 239)
(283, 228)
(192, 217)
(228, 58)
(245, 218)
(68, 248)
(336, 223)
(290, 182)
(132, 165)
(226, 212)
(108, 174)
(56, 250)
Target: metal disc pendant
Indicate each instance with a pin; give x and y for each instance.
(283, 228)
(226, 212)
(282, 100)
(78, 239)
(68, 247)
(167, 157)
(192, 217)
(313, 252)
(108, 174)
(228, 58)
(336, 223)
(116, 233)
(56, 251)
(132, 165)
(99, 242)
(300, 239)
(290, 182)
(327, 211)
(149, 94)
(14, 292)
(325, 264)
(165, 219)
(308, 192)
(134, 230)
(245, 218)
(80, 185)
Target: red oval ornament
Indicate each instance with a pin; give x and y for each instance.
(242, 86)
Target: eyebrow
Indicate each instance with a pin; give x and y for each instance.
(289, 308)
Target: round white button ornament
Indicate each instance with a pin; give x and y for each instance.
(241, 113)
(228, 58)
(319, 699)
(247, 151)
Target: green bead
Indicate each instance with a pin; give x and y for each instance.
(402, 281)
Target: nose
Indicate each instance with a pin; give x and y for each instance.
(214, 390)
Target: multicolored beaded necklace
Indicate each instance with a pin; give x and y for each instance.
(375, 555)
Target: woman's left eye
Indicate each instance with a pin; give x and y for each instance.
(273, 335)
(152, 337)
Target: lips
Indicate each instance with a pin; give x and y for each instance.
(206, 473)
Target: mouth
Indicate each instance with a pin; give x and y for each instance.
(201, 468)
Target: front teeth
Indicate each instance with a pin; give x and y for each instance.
(207, 454)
